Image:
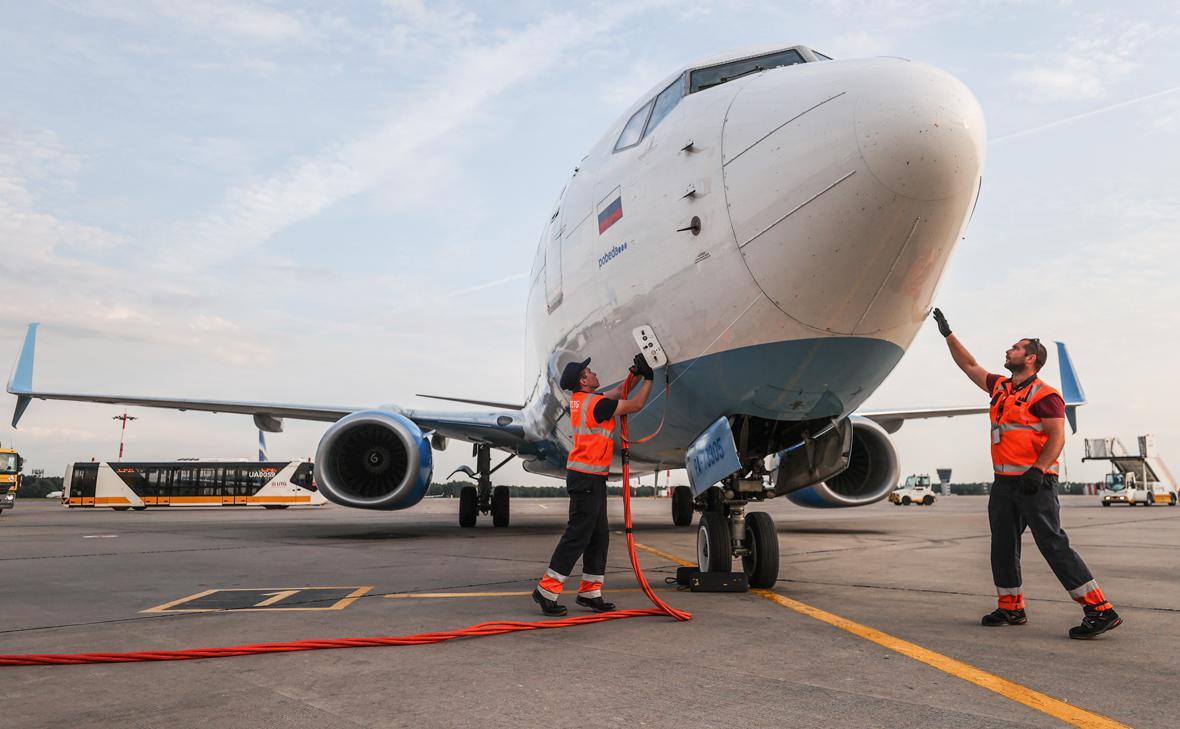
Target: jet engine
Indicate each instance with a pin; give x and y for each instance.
(374, 459)
(871, 474)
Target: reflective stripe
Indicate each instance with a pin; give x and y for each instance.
(1034, 390)
(580, 430)
(552, 574)
(1008, 590)
(596, 592)
(1004, 427)
(1009, 469)
(593, 578)
(589, 468)
(547, 594)
(1081, 590)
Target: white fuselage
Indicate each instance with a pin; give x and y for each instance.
(829, 197)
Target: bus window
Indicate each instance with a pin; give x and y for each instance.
(85, 480)
(303, 477)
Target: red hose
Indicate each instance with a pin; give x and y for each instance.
(498, 627)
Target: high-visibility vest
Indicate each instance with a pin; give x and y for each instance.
(594, 442)
(1018, 436)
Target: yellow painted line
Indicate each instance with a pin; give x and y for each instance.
(1031, 698)
(268, 592)
(526, 593)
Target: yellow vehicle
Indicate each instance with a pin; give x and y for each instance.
(10, 468)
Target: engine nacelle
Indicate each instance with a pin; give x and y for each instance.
(871, 475)
(374, 459)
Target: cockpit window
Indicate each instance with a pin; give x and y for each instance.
(633, 132)
(665, 103)
(716, 75)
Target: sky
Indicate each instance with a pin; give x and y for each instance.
(337, 203)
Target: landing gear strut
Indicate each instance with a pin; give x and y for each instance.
(483, 499)
(727, 531)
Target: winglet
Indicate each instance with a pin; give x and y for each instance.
(1071, 387)
(21, 382)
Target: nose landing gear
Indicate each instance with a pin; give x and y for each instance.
(727, 531)
(483, 498)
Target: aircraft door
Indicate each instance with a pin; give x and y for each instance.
(553, 236)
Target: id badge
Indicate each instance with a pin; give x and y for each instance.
(995, 435)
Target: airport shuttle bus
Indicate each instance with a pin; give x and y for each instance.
(122, 486)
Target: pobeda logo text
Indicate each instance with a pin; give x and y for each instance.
(606, 257)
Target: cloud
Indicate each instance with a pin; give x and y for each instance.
(860, 43)
(1088, 64)
(222, 21)
(252, 213)
(490, 284)
(1167, 116)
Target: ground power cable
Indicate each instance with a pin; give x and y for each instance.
(496, 627)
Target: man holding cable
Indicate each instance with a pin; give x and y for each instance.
(587, 534)
(1027, 435)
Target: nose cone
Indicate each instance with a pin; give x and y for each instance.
(920, 131)
(848, 185)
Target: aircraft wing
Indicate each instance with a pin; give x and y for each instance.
(1071, 392)
(503, 428)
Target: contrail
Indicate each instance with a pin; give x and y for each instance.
(490, 284)
(1083, 115)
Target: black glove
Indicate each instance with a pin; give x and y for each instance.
(642, 368)
(1031, 481)
(943, 328)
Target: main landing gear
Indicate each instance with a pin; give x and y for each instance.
(483, 499)
(727, 531)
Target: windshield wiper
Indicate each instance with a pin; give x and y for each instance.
(725, 79)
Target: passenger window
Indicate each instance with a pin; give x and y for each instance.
(665, 103)
(633, 132)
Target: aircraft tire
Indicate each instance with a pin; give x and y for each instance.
(501, 501)
(761, 564)
(713, 543)
(681, 506)
(468, 506)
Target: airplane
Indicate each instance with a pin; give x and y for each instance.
(775, 223)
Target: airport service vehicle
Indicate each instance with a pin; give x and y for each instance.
(1135, 478)
(916, 490)
(769, 227)
(10, 477)
(122, 486)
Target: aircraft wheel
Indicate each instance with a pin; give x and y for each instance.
(761, 564)
(927, 500)
(682, 506)
(501, 499)
(468, 506)
(906, 500)
(714, 549)
(120, 508)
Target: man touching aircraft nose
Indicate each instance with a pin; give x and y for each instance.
(1028, 433)
(587, 534)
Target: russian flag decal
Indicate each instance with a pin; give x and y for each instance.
(610, 214)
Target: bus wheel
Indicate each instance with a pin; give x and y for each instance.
(120, 508)
(1172, 500)
(274, 506)
(139, 508)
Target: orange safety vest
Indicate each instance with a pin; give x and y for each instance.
(1018, 436)
(594, 442)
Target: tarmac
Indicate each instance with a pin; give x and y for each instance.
(874, 622)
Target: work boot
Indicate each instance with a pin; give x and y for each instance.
(551, 608)
(1095, 623)
(1000, 616)
(597, 604)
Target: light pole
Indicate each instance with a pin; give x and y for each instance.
(124, 417)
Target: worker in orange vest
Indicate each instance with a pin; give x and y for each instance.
(1028, 433)
(592, 421)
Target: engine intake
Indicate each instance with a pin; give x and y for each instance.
(871, 474)
(373, 459)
